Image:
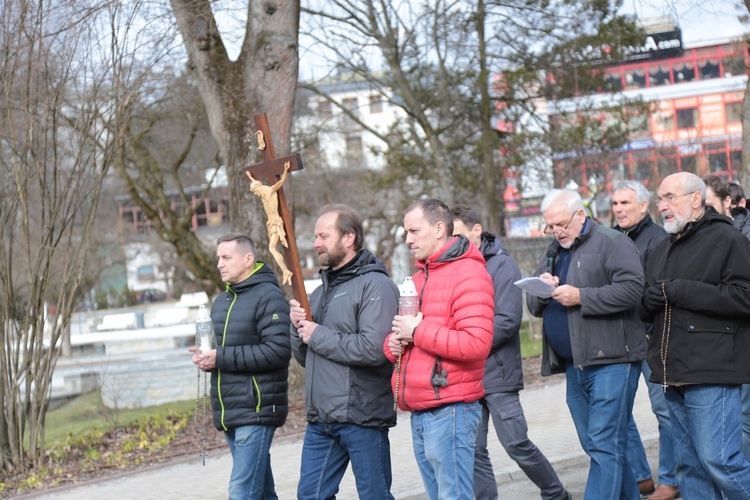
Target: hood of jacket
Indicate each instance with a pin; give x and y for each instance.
(491, 246)
(456, 247)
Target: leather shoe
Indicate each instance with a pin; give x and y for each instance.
(664, 492)
(646, 487)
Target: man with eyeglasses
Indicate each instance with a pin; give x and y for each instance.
(698, 298)
(591, 333)
(630, 201)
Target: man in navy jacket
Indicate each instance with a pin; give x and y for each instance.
(503, 373)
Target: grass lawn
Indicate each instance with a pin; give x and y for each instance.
(86, 412)
(530, 347)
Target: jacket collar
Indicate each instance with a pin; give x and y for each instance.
(634, 231)
(709, 216)
(453, 249)
(589, 226)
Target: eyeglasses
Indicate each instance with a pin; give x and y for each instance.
(550, 229)
(669, 198)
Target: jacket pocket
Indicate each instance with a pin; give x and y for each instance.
(711, 343)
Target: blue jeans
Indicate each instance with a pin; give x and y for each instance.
(326, 453)
(636, 454)
(511, 428)
(746, 421)
(444, 440)
(251, 475)
(600, 399)
(707, 424)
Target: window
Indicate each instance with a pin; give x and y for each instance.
(635, 79)
(709, 68)
(687, 118)
(644, 167)
(354, 145)
(613, 82)
(350, 105)
(734, 112)
(735, 160)
(659, 75)
(667, 166)
(684, 72)
(666, 120)
(717, 162)
(734, 64)
(324, 109)
(200, 214)
(688, 163)
(146, 273)
(376, 103)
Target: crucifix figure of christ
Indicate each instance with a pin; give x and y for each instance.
(279, 225)
(275, 224)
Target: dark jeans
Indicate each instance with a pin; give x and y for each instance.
(510, 426)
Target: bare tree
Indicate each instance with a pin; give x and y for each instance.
(744, 174)
(438, 60)
(263, 78)
(158, 150)
(51, 181)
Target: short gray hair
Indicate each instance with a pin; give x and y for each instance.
(571, 199)
(244, 242)
(641, 193)
(692, 182)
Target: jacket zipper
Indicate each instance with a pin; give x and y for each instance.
(578, 284)
(223, 338)
(319, 320)
(257, 391)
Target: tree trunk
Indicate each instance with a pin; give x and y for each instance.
(488, 142)
(263, 79)
(744, 173)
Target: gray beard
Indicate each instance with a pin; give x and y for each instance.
(675, 226)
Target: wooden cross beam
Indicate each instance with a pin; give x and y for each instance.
(274, 171)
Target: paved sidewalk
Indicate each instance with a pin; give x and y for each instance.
(550, 428)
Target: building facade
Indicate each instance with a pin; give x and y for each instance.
(695, 95)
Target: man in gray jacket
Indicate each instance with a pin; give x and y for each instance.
(348, 396)
(592, 334)
(503, 373)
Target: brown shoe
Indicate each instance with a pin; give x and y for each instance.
(646, 487)
(664, 492)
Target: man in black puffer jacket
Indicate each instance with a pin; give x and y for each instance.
(249, 367)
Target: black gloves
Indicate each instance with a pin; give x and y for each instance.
(656, 296)
(653, 298)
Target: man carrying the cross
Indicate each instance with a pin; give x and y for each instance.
(348, 399)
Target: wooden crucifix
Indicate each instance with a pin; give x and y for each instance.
(280, 229)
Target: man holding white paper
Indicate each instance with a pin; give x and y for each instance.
(591, 333)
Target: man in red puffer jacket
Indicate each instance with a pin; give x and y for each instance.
(444, 349)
